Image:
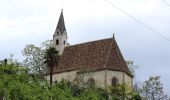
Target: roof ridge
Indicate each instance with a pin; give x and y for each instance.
(107, 58)
(120, 57)
(89, 42)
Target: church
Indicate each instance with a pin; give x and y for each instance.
(99, 61)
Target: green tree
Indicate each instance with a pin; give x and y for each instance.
(132, 67)
(152, 89)
(20, 85)
(123, 92)
(34, 57)
(51, 59)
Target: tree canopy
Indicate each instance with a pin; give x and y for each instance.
(152, 89)
(34, 57)
(16, 83)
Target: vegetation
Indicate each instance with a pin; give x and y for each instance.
(25, 81)
(131, 67)
(17, 84)
(51, 59)
(152, 89)
(34, 57)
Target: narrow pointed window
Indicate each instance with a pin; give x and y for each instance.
(64, 42)
(57, 42)
(57, 32)
(115, 81)
(91, 82)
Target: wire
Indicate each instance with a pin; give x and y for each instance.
(165, 2)
(140, 22)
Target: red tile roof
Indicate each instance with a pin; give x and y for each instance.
(95, 55)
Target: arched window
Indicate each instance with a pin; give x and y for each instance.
(115, 81)
(57, 32)
(64, 42)
(55, 82)
(57, 41)
(69, 83)
(91, 82)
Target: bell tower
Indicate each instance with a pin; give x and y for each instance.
(60, 35)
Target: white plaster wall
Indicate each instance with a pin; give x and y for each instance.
(61, 37)
(121, 76)
(70, 76)
(111, 74)
(128, 80)
(99, 76)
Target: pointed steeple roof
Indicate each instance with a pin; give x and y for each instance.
(61, 24)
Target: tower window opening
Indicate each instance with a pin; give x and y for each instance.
(57, 32)
(57, 41)
(64, 42)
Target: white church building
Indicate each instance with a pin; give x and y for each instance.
(99, 60)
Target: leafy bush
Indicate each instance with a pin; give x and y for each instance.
(17, 84)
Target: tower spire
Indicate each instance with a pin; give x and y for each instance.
(61, 24)
(60, 35)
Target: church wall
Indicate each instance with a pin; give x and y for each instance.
(121, 76)
(128, 80)
(70, 76)
(98, 76)
(111, 74)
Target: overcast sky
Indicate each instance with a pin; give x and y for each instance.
(34, 21)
